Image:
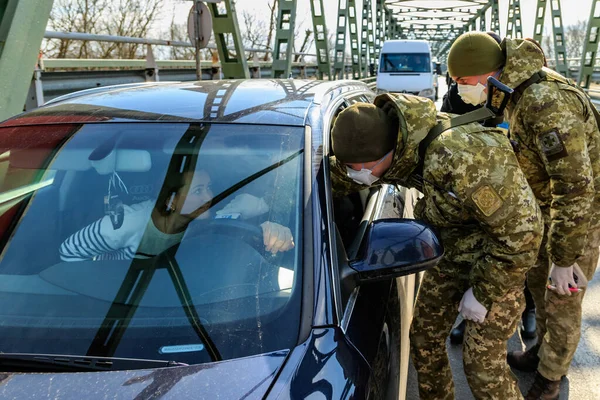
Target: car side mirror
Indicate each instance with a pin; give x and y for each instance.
(438, 69)
(396, 247)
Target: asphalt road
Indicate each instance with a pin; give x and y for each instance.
(583, 379)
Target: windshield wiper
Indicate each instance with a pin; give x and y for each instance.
(27, 362)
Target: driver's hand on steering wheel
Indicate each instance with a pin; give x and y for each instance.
(276, 237)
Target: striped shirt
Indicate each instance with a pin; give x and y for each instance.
(138, 237)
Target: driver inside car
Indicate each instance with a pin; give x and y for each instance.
(137, 237)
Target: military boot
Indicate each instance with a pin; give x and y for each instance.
(524, 360)
(543, 389)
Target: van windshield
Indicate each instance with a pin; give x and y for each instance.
(405, 62)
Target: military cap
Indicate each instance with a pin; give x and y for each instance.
(363, 133)
(474, 53)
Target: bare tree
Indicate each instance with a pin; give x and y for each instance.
(273, 8)
(306, 43)
(109, 17)
(575, 36)
(74, 16)
(254, 33)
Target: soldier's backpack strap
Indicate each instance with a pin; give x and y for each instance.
(541, 76)
(483, 114)
(479, 115)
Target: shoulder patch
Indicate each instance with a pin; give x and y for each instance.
(552, 145)
(487, 200)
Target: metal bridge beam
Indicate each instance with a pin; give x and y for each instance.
(340, 39)
(540, 17)
(482, 24)
(560, 51)
(354, 42)
(284, 38)
(379, 28)
(590, 46)
(226, 29)
(364, 38)
(371, 38)
(320, 34)
(495, 23)
(22, 26)
(517, 23)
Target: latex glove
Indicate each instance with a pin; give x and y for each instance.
(276, 237)
(581, 280)
(246, 205)
(561, 278)
(471, 308)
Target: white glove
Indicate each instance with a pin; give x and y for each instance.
(561, 278)
(472, 309)
(246, 205)
(276, 237)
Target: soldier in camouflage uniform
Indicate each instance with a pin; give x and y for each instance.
(478, 200)
(554, 125)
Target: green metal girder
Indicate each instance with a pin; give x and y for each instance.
(22, 27)
(340, 39)
(379, 27)
(320, 34)
(354, 42)
(371, 35)
(558, 33)
(495, 22)
(590, 47)
(514, 28)
(388, 33)
(510, 19)
(482, 25)
(284, 38)
(540, 16)
(364, 38)
(226, 28)
(517, 23)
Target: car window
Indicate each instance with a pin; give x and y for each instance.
(405, 62)
(156, 241)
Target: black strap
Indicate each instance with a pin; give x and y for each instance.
(478, 115)
(533, 79)
(541, 76)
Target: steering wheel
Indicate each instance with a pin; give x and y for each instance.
(245, 231)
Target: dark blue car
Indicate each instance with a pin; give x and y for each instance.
(180, 240)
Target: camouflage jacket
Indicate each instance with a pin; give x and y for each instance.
(476, 196)
(558, 139)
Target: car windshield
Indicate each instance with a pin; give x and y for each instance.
(405, 62)
(158, 241)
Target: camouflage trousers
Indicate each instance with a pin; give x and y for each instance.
(484, 348)
(558, 318)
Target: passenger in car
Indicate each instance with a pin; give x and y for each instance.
(479, 201)
(143, 237)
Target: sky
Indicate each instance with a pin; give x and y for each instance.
(572, 11)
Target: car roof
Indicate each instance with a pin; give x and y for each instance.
(254, 101)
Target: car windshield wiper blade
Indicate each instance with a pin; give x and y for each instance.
(65, 363)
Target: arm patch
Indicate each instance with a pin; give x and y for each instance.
(487, 200)
(552, 145)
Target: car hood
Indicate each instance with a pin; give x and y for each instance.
(247, 378)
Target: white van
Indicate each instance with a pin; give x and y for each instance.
(406, 66)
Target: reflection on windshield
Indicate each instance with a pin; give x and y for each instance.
(405, 62)
(171, 241)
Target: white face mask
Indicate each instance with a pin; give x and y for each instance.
(474, 95)
(365, 176)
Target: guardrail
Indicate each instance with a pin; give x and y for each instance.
(370, 81)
